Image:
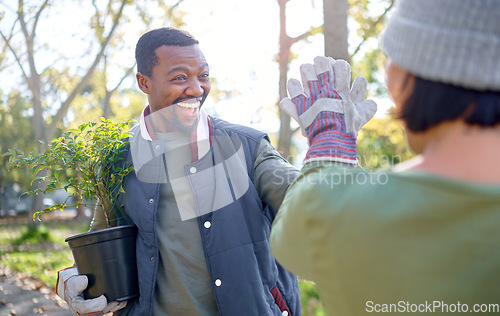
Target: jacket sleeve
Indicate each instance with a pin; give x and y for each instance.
(298, 231)
(272, 174)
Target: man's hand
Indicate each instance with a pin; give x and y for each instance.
(328, 112)
(70, 286)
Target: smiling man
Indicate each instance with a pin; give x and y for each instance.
(176, 81)
(203, 197)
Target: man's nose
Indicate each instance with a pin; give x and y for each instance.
(195, 88)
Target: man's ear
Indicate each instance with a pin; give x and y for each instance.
(142, 82)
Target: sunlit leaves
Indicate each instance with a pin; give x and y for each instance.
(381, 143)
(89, 156)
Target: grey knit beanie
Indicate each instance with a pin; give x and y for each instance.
(450, 41)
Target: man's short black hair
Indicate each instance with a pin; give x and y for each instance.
(145, 55)
(433, 102)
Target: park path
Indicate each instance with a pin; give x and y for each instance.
(21, 296)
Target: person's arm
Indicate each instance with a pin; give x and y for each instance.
(272, 174)
(330, 115)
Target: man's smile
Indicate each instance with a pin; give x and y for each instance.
(189, 109)
(190, 104)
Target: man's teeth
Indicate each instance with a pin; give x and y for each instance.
(190, 105)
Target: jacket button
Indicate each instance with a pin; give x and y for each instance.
(157, 147)
(218, 282)
(152, 259)
(151, 201)
(192, 170)
(207, 224)
(285, 313)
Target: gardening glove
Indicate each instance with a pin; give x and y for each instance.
(70, 286)
(328, 112)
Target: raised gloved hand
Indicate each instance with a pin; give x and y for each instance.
(70, 286)
(328, 112)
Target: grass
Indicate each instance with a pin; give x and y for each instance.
(42, 265)
(40, 251)
(37, 251)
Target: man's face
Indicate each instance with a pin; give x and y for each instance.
(178, 86)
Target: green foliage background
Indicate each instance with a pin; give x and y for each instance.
(382, 143)
(37, 251)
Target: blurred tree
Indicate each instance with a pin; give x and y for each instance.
(367, 18)
(382, 143)
(335, 29)
(16, 133)
(55, 81)
(284, 58)
(109, 88)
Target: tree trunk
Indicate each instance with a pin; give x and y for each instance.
(285, 133)
(106, 105)
(335, 28)
(34, 83)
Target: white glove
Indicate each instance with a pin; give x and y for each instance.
(357, 111)
(70, 286)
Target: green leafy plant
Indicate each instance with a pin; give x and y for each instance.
(87, 162)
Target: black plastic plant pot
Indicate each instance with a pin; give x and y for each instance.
(107, 258)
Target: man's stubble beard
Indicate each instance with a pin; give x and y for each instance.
(179, 127)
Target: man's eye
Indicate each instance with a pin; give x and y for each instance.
(206, 75)
(179, 78)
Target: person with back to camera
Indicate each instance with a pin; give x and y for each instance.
(423, 236)
(203, 197)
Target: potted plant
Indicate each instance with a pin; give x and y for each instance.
(89, 163)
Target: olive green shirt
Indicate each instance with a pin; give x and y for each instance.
(390, 241)
(183, 284)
